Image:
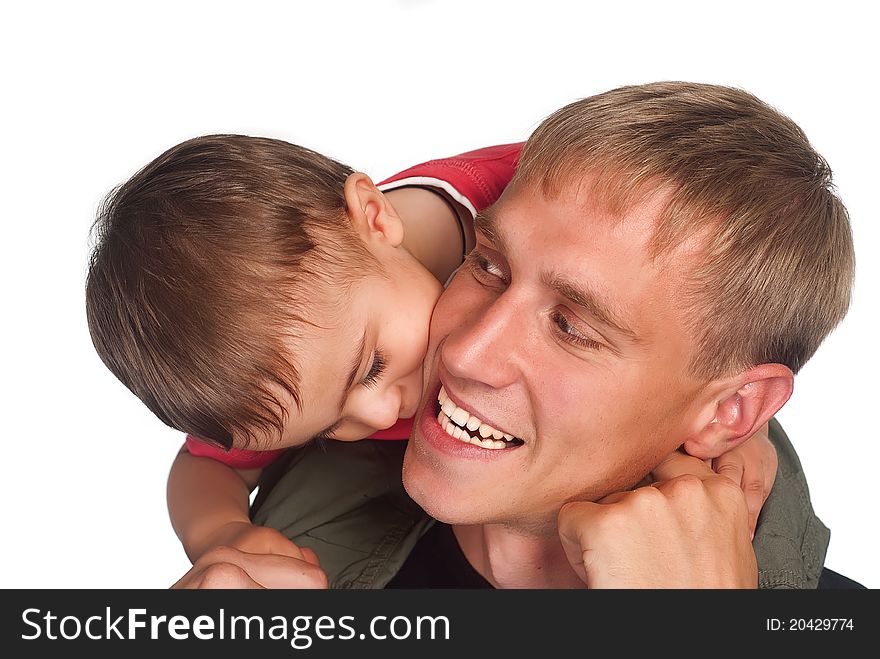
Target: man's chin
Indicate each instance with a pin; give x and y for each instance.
(417, 481)
(435, 494)
(446, 503)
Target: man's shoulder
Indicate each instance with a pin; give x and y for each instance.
(790, 540)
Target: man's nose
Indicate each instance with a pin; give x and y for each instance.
(488, 345)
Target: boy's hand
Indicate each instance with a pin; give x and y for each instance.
(752, 465)
(243, 555)
(224, 567)
(253, 539)
(688, 529)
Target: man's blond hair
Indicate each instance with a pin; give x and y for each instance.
(775, 266)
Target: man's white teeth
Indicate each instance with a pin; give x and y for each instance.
(454, 420)
(460, 416)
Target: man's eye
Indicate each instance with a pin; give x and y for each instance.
(483, 268)
(571, 334)
(378, 367)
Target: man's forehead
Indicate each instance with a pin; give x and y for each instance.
(576, 212)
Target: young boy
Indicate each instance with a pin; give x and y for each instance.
(256, 295)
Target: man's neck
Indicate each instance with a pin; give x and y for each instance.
(511, 558)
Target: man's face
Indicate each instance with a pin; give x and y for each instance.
(561, 332)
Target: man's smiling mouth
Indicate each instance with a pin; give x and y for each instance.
(464, 426)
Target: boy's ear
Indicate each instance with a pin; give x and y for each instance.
(740, 405)
(370, 212)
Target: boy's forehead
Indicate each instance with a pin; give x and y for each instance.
(320, 349)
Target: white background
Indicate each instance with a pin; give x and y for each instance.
(93, 91)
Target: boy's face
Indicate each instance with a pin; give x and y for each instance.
(360, 364)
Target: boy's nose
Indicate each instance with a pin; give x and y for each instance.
(386, 409)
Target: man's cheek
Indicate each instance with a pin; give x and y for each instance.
(578, 394)
(445, 308)
(458, 307)
(443, 320)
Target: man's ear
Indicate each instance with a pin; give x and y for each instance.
(739, 406)
(371, 214)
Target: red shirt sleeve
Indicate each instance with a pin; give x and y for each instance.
(475, 179)
(236, 458)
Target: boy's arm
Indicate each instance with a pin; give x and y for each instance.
(469, 182)
(438, 200)
(208, 503)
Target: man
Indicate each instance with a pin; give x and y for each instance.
(666, 258)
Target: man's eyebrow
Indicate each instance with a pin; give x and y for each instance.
(355, 365)
(592, 303)
(486, 222)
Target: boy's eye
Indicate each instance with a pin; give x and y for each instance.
(376, 369)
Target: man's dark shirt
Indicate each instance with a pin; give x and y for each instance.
(438, 562)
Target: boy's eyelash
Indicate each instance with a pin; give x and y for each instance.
(325, 434)
(376, 369)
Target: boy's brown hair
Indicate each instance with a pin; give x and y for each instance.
(776, 262)
(205, 266)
